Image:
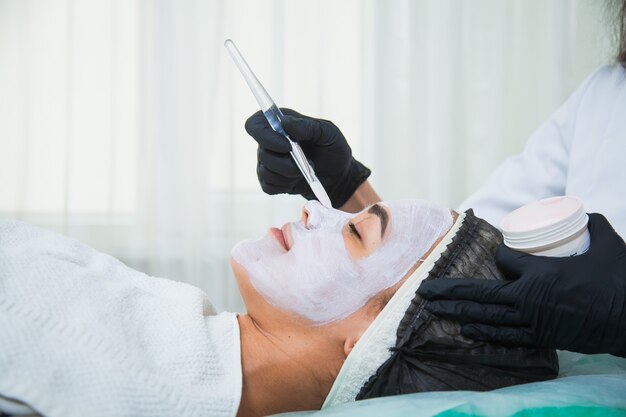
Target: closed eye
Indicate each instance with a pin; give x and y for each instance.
(354, 231)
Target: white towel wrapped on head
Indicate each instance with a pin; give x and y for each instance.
(81, 334)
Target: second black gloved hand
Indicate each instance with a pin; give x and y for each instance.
(574, 303)
(323, 144)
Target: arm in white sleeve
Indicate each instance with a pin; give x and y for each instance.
(539, 171)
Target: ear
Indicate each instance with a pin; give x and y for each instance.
(349, 343)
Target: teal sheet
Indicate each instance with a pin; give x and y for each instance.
(588, 385)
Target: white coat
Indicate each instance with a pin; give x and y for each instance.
(579, 151)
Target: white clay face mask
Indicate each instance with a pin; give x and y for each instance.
(317, 278)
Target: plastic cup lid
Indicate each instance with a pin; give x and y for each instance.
(543, 222)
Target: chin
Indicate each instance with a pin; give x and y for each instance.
(238, 269)
(241, 276)
(243, 283)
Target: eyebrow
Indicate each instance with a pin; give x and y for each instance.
(382, 216)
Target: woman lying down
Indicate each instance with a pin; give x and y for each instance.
(332, 316)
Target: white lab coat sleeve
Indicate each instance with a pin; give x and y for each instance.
(539, 171)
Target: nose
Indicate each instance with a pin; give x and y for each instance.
(312, 214)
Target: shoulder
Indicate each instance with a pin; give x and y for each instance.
(594, 102)
(613, 73)
(603, 83)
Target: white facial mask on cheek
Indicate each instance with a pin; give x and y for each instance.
(318, 279)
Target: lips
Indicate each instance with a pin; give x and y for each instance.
(286, 229)
(280, 237)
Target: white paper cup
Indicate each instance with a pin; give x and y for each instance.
(554, 226)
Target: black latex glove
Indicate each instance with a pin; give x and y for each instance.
(323, 144)
(575, 303)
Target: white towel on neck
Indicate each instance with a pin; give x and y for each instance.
(81, 334)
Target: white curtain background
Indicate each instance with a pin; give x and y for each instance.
(121, 121)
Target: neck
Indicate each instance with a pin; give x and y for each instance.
(280, 371)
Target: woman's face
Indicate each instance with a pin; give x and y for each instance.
(330, 263)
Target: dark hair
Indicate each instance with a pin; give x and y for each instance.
(619, 7)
